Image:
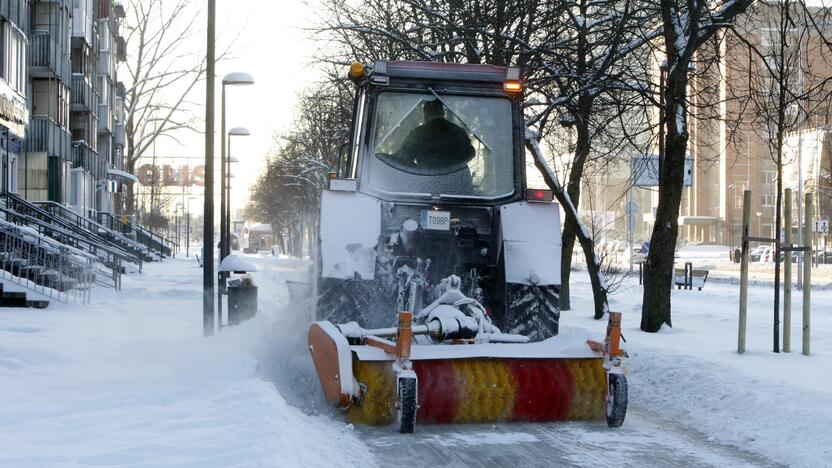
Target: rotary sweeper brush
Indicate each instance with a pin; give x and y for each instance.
(431, 240)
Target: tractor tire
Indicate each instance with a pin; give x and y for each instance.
(406, 405)
(616, 405)
(532, 310)
(336, 301)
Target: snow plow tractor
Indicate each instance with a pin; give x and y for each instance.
(438, 269)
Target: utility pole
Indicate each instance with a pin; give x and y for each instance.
(208, 205)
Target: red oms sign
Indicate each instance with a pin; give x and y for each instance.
(167, 176)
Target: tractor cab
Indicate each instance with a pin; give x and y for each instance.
(433, 184)
(429, 131)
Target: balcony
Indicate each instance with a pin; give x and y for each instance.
(121, 49)
(84, 97)
(82, 25)
(45, 135)
(84, 156)
(105, 118)
(106, 64)
(118, 135)
(46, 59)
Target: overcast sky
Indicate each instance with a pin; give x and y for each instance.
(273, 46)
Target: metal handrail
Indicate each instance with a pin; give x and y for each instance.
(54, 271)
(111, 259)
(93, 226)
(21, 206)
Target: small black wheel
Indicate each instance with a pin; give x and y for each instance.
(616, 407)
(407, 404)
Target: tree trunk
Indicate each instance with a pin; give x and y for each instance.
(573, 188)
(130, 199)
(658, 269)
(593, 265)
(567, 249)
(599, 288)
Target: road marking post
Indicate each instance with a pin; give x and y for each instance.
(746, 222)
(787, 275)
(807, 273)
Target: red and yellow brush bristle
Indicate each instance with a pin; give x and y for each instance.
(487, 390)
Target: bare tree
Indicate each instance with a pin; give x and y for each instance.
(574, 55)
(287, 194)
(686, 26)
(787, 82)
(162, 70)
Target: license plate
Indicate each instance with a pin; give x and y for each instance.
(436, 220)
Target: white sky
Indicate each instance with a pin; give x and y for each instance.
(274, 47)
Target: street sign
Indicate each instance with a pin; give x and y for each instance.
(821, 226)
(646, 171)
(631, 209)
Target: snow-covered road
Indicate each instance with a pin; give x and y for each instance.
(130, 381)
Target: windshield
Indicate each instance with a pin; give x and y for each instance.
(442, 145)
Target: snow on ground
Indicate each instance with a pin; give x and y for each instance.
(130, 381)
(776, 405)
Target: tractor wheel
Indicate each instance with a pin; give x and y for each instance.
(406, 405)
(616, 407)
(336, 301)
(532, 310)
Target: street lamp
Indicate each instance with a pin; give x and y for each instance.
(208, 202)
(236, 131)
(760, 222)
(231, 79)
(188, 226)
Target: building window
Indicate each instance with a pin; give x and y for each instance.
(768, 201)
(13, 57)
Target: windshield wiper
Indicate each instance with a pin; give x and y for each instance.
(460, 119)
(398, 124)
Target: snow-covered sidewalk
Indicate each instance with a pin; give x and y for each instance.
(130, 381)
(776, 405)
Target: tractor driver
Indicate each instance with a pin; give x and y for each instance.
(437, 146)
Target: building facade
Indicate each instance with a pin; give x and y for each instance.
(731, 144)
(59, 102)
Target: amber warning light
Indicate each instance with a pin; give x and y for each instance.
(539, 195)
(512, 86)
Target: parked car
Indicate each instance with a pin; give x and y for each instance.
(762, 253)
(824, 257)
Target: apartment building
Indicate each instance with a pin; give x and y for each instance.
(61, 114)
(14, 111)
(730, 149)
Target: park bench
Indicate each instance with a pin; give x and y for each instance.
(689, 278)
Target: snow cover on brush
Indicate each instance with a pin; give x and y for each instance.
(130, 380)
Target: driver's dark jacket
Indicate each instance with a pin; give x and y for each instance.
(437, 144)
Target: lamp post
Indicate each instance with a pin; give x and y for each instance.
(231, 79)
(188, 226)
(208, 204)
(236, 131)
(179, 210)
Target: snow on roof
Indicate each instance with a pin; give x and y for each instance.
(260, 228)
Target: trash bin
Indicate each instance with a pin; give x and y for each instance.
(242, 300)
(241, 291)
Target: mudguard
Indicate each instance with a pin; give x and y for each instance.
(350, 227)
(531, 243)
